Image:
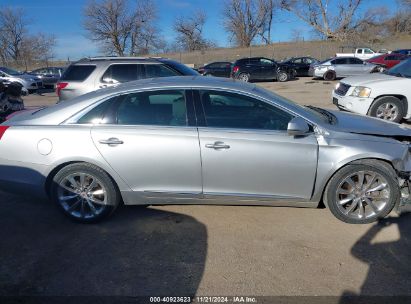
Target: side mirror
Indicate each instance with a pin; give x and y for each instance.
(297, 127)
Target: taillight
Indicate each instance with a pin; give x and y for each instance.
(60, 86)
(3, 130)
(235, 69)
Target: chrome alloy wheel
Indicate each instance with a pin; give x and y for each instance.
(363, 195)
(82, 195)
(388, 111)
(282, 76)
(243, 77)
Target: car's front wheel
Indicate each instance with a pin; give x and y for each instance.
(282, 76)
(362, 192)
(84, 192)
(387, 108)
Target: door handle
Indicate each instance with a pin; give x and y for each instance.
(112, 141)
(217, 145)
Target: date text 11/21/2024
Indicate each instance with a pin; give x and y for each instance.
(204, 299)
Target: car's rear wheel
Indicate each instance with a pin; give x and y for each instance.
(387, 108)
(244, 77)
(84, 192)
(282, 76)
(363, 192)
(330, 76)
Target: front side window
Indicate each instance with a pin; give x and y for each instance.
(118, 73)
(159, 70)
(340, 61)
(162, 108)
(298, 60)
(230, 110)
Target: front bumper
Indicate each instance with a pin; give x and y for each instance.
(351, 103)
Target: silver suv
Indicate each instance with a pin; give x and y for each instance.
(91, 74)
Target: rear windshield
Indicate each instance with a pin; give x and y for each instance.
(77, 72)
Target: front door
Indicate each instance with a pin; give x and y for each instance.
(246, 150)
(147, 140)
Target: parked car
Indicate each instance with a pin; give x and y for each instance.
(49, 75)
(387, 61)
(403, 51)
(339, 67)
(260, 68)
(203, 140)
(29, 82)
(91, 74)
(384, 95)
(300, 64)
(361, 53)
(218, 69)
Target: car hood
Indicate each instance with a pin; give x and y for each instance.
(369, 79)
(358, 124)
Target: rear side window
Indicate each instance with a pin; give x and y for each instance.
(118, 73)
(354, 61)
(158, 70)
(340, 61)
(78, 72)
(161, 108)
(96, 115)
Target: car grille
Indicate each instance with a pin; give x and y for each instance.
(342, 89)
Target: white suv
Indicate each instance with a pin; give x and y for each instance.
(386, 95)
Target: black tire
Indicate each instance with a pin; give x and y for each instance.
(244, 77)
(111, 193)
(329, 76)
(384, 173)
(379, 103)
(282, 76)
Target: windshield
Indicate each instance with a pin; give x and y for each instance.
(10, 71)
(402, 69)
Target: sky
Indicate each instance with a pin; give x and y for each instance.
(63, 19)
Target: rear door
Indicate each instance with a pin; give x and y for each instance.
(356, 66)
(246, 151)
(150, 141)
(341, 66)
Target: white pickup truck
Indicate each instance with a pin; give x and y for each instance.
(361, 53)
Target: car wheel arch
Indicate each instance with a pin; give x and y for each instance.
(358, 161)
(403, 99)
(57, 168)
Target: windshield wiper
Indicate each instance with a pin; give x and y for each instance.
(330, 117)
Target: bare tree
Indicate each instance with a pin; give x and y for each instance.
(332, 22)
(109, 22)
(120, 28)
(13, 25)
(190, 32)
(401, 21)
(17, 44)
(265, 31)
(245, 19)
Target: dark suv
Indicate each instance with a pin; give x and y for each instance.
(91, 74)
(260, 68)
(218, 69)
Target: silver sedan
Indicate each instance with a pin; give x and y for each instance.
(198, 140)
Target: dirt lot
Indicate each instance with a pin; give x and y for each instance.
(203, 250)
